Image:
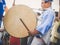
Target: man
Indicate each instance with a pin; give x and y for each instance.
(2, 9)
(45, 21)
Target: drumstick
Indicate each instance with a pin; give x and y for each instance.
(14, 3)
(24, 24)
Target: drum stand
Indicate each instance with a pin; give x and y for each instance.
(5, 38)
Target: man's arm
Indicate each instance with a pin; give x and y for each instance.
(33, 32)
(6, 9)
(1, 29)
(45, 26)
(4, 6)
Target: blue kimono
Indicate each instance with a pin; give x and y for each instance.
(2, 6)
(46, 21)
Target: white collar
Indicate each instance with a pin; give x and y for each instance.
(46, 9)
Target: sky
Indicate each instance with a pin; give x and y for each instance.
(32, 3)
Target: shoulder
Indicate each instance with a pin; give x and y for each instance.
(51, 11)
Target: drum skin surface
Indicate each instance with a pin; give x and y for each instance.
(13, 24)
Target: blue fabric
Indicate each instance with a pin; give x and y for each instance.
(0, 23)
(1, 42)
(2, 6)
(46, 22)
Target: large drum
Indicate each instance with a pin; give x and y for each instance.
(19, 20)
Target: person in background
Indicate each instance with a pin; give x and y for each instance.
(3, 8)
(55, 34)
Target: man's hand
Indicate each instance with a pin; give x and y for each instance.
(1, 29)
(6, 9)
(34, 32)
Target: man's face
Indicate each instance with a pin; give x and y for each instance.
(45, 4)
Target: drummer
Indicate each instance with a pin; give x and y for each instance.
(42, 30)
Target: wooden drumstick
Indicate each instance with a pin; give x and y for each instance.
(14, 3)
(24, 24)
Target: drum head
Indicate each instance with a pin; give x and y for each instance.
(12, 22)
